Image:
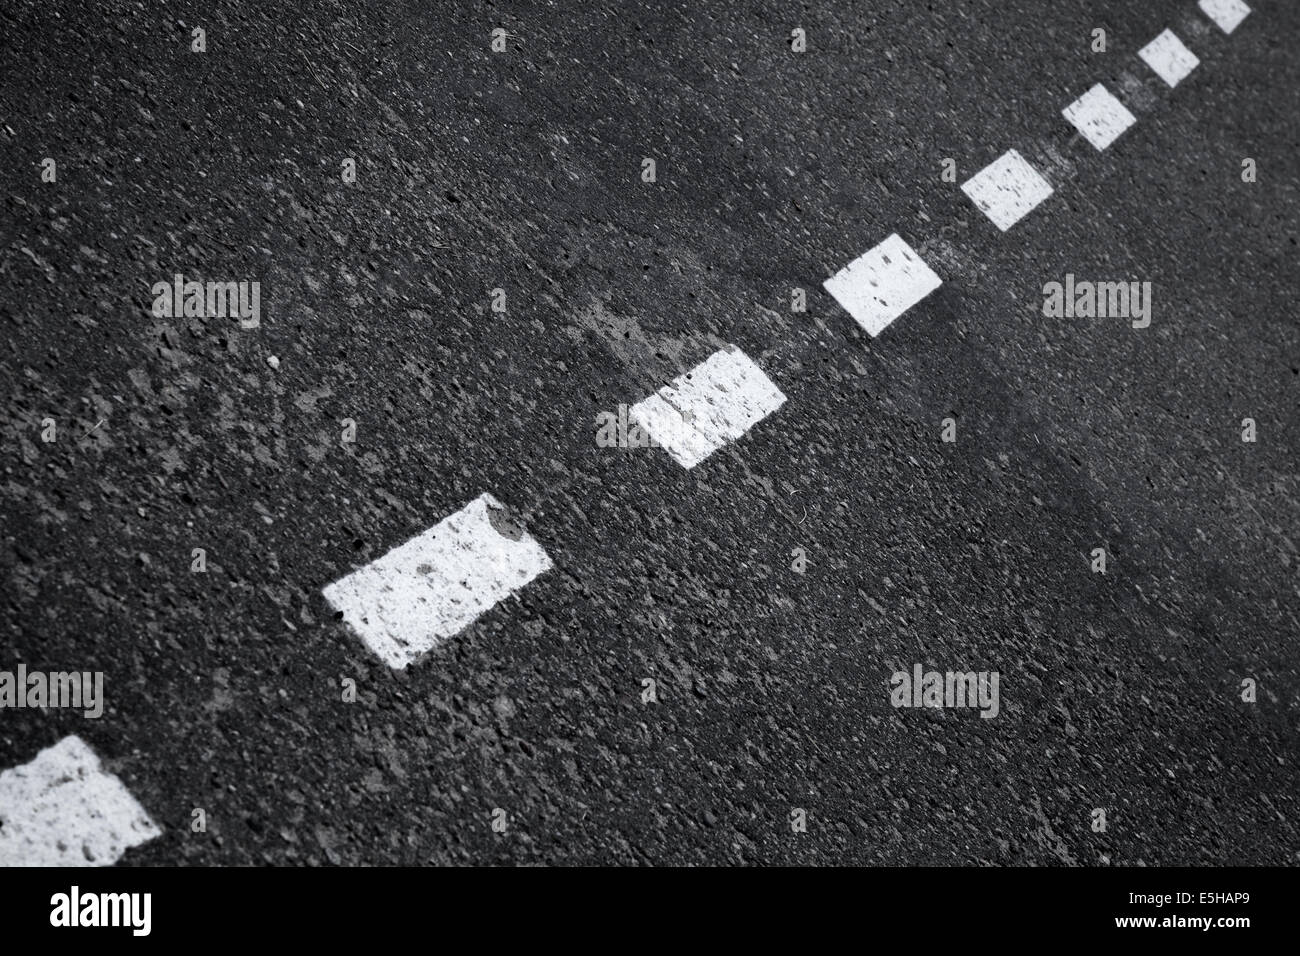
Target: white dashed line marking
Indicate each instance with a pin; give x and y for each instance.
(714, 403)
(1170, 60)
(435, 585)
(1228, 14)
(1099, 116)
(1007, 189)
(882, 283)
(62, 809)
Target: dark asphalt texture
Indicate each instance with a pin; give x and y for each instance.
(522, 171)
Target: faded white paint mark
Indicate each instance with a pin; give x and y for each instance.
(714, 403)
(882, 284)
(1007, 189)
(1099, 116)
(435, 585)
(1228, 14)
(62, 809)
(1169, 58)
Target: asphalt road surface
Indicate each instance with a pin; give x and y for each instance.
(528, 736)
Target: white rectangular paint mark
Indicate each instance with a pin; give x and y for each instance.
(714, 403)
(436, 584)
(1228, 14)
(1169, 58)
(882, 283)
(1099, 116)
(62, 809)
(1007, 189)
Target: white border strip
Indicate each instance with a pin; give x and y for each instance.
(435, 585)
(882, 283)
(1169, 58)
(1228, 14)
(714, 403)
(1007, 189)
(62, 809)
(1098, 116)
